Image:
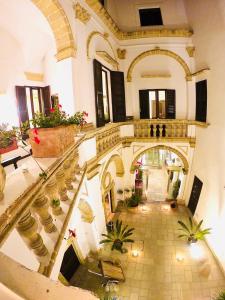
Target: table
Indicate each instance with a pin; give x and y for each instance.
(112, 271)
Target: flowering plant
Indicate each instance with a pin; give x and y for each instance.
(7, 136)
(79, 118)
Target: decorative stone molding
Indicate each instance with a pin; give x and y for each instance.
(201, 72)
(158, 52)
(34, 76)
(104, 36)
(2, 180)
(60, 26)
(81, 13)
(27, 228)
(102, 13)
(108, 59)
(164, 147)
(92, 170)
(155, 75)
(190, 51)
(121, 53)
(86, 211)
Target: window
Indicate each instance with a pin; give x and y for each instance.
(150, 17)
(32, 100)
(157, 104)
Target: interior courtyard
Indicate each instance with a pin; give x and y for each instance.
(112, 149)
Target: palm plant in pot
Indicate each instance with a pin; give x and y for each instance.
(118, 236)
(192, 232)
(220, 296)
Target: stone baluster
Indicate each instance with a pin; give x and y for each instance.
(145, 130)
(173, 128)
(52, 193)
(27, 228)
(154, 130)
(61, 177)
(179, 130)
(160, 130)
(67, 170)
(184, 131)
(167, 130)
(41, 205)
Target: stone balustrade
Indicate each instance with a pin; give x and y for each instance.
(107, 139)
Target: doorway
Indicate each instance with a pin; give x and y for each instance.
(109, 210)
(70, 263)
(157, 104)
(195, 194)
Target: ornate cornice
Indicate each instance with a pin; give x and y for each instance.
(101, 12)
(81, 13)
(200, 72)
(121, 53)
(158, 51)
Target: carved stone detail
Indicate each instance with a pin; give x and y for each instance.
(86, 211)
(190, 51)
(27, 228)
(60, 177)
(41, 206)
(121, 53)
(68, 171)
(81, 13)
(159, 52)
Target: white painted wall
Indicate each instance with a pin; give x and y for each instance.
(208, 21)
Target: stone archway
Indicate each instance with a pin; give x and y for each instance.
(163, 147)
(60, 26)
(159, 52)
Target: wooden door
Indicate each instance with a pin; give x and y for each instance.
(201, 101)
(195, 194)
(118, 96)
(70, 263)
(22, 104)
(170, 104)
(144, 104)
(99, 106)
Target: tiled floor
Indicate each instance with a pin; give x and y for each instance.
(158, 274)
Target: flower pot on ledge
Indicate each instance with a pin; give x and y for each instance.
(52, 142)
(11, 147)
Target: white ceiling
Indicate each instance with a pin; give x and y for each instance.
(126, 13)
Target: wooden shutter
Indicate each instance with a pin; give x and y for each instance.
(170, 104)
(46, 99)
(144, 104)
(195, 194)
(201, 101)
(118, 96)
(22, 104)
(100, 120)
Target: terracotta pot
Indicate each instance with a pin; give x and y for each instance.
(11, 147)
(53, 141)
(2, 180)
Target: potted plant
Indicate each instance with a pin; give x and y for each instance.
(220, 296)
(175, 193)
(7, 139)
(53, 134)
(118, 236)
(134, 200)
(192, 232)
(56, 208)
(2, 180)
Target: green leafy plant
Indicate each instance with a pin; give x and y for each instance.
(220, 296)
(55, 202)
(119, 235)
(134, 200)
(193, 232)
(7, 136)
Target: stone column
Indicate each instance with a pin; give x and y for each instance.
(60, 177)
(41, 206)
(27, 228)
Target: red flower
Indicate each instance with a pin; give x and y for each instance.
(85, 113)
(52, 109)
(72, 233)
(37, 140)
(35, 131)
(59, 106)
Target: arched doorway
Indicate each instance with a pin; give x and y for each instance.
(160, 174)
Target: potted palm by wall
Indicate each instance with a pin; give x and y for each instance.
(53, 134)
(192, 232)
(118, 236)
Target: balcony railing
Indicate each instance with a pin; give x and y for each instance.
(65, 178)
